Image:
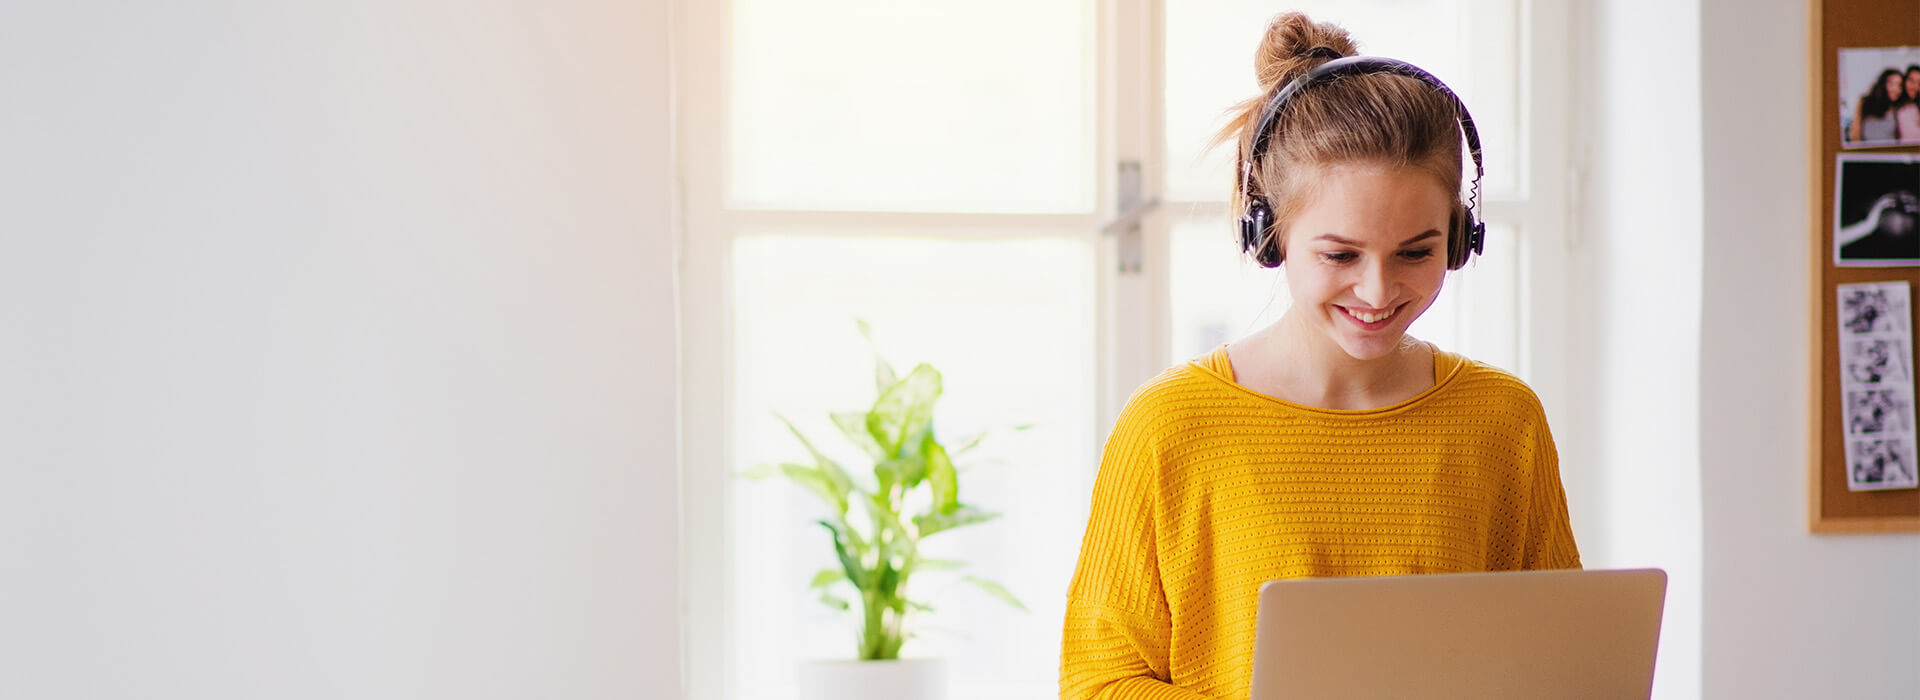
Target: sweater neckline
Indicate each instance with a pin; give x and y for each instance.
(1216, 366)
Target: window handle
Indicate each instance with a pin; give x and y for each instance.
(1133, 209)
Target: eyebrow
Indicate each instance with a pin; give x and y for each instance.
(1343, 241)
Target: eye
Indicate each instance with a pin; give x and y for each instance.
(1338, 256)
(1417, 254)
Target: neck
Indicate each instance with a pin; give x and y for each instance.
(1319, 373)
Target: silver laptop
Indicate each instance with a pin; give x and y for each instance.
(1492, 636)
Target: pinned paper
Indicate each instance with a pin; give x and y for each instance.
(1876, 385)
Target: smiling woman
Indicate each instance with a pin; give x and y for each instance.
(1330, 443)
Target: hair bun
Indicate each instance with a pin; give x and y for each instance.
(1294, 44)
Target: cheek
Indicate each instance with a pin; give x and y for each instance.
(1311, 283)
(1430, 282)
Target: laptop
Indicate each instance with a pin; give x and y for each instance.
(1486, 636)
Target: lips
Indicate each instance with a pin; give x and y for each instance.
(1371, 318)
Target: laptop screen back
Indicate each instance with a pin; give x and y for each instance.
(1488, 636)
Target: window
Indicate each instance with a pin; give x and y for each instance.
(943, 171)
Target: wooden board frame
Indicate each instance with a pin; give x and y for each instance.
(1831, 508)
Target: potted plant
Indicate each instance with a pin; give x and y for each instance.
(875, 526)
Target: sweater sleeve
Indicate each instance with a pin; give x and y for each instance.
(1118, 630)
(1550, 542)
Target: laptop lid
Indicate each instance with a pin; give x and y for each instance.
(1486, 636)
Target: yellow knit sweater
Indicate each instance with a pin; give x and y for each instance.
(1208, 489)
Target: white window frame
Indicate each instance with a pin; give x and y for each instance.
(1132, 326)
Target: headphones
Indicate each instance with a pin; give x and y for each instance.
(1256, 223)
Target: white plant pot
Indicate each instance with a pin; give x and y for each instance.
(905, 679)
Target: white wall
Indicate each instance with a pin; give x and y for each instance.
(1788, 614)
(1630, 448)
(338, 350)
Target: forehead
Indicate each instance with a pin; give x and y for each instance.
(1374, 195)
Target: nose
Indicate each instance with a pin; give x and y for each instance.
(1375, 284)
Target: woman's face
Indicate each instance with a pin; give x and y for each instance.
(1895, 86)
(1367, 253)
(1913, 85)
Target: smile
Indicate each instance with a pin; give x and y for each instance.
(1370, 317)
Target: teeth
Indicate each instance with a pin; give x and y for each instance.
(1366, 317)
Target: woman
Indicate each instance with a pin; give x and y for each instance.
(1327, 444)
(1907, 116)
(1873, 114)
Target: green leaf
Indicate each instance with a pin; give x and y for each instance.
(883, 513)
(833, 601)
(997, 591)
(853, 424)
(817, 482)
(889, 581)
(917, 605)
(913, 462)
(827, 577)
(883, 376)
(887, 472)
(942, 479)
(939, 565)
(940, 522)
(835, 476)
(848, 563)
(905, 409)
(897, 470)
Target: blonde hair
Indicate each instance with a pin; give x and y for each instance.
(1377, 118)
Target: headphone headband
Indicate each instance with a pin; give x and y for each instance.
(1255, 223)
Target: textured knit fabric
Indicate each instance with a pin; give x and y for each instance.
(1208, 489)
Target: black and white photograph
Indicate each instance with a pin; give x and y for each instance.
(1879, 97)
(1874, 362)
(1876, 211)
(1873, 308)
(1878, 412)
(1880, 464)
(1876, 409)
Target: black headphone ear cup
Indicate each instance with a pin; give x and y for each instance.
(1255, 229)
(1466, 242)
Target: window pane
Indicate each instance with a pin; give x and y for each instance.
(1478, 314)
(1007, 324)
(1473, 46)
(1220, 296)
(981, 106)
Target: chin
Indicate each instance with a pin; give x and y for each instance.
(1372, 348)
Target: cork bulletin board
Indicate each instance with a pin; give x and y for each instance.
(1837, 501)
